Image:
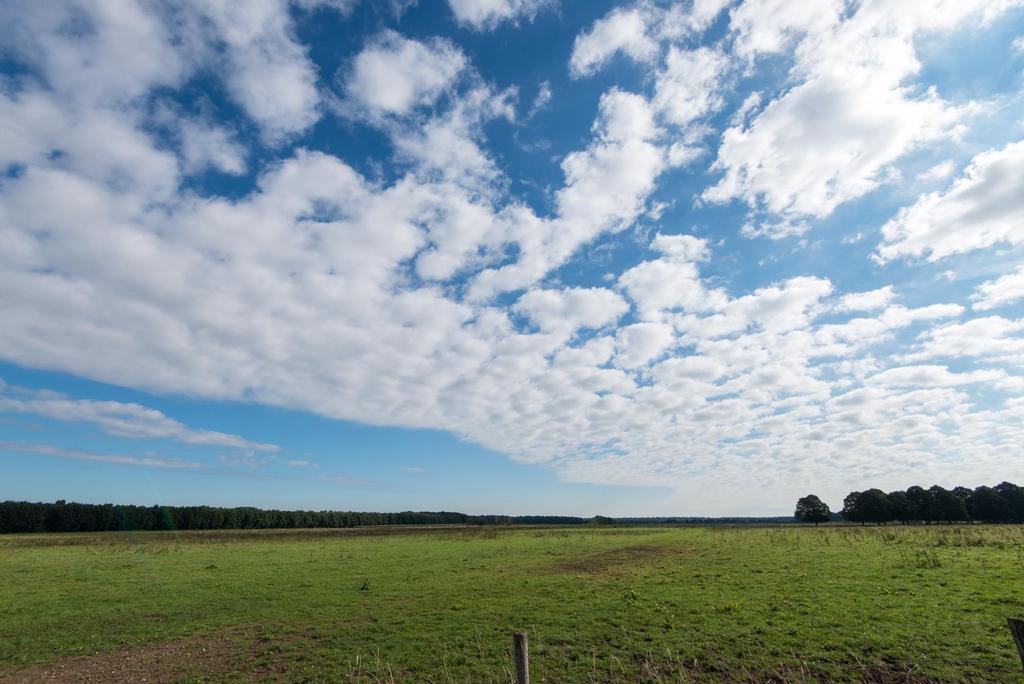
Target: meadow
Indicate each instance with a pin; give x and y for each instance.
(692, 604)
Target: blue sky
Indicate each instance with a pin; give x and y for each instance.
(515, 256)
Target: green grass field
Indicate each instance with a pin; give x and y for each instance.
(885, 604)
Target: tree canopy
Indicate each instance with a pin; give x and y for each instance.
(61, 516)
(811, 509)
(1003, 503)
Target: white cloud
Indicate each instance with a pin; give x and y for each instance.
(860, 124)
(993, 338)
(983, 207)
(938, 172)
(638, 32)
(434, 295)
(1002, 291)
(606, 187)
(482, 15)
(857, 333)
(268, 72)
(640, 343)
(76, 455)
(775, 230)
(685, 247)
(932, 376)
(205, 145)
(570, 309)
(851, 99)
(118, 418)
(119, 52)
(622, 30)
(393, 74)
(448, 144)
(93, 81)
(673, 281)
(542, 99)
(770, 26)
(866, 301)
(102, 145)
(690, 85)
(774, 309)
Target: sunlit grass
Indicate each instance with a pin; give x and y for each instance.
(681, 604)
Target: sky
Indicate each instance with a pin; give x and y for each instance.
(510, 256)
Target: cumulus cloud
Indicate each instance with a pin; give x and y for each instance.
(205, 145)
(637, 32)
(931, 376)
(672, 281)
(763, 27)
(639, 343)
(623, 30)
(862, 126)
(606, 188)
(992, 338)
(1002, 291)
(269, 73)
(570, 309)
(866, 301)
(394, 74)
(89, 100)
(482, 15)
(690, 85)
(851, 97)
(983, 207)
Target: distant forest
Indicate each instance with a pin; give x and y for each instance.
(62, 516)
(22, 516)
(1003, 503)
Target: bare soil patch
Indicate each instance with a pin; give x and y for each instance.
(611, 560)
(235, 650)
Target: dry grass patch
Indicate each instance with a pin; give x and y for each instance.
(611, 560)
(238, 650)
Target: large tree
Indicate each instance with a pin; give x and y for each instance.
(873, 506)
(902, 509)
(1014, 496)
(947, 505)
(921, 502)
(811, 509)
(851, 508)
(988, 505)
(965, 494)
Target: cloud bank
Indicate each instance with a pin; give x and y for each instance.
(436, 296)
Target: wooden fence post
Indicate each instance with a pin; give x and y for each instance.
(1017, 630)
(521, 654)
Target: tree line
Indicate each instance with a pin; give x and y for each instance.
(1003, 503)
(62, 516)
